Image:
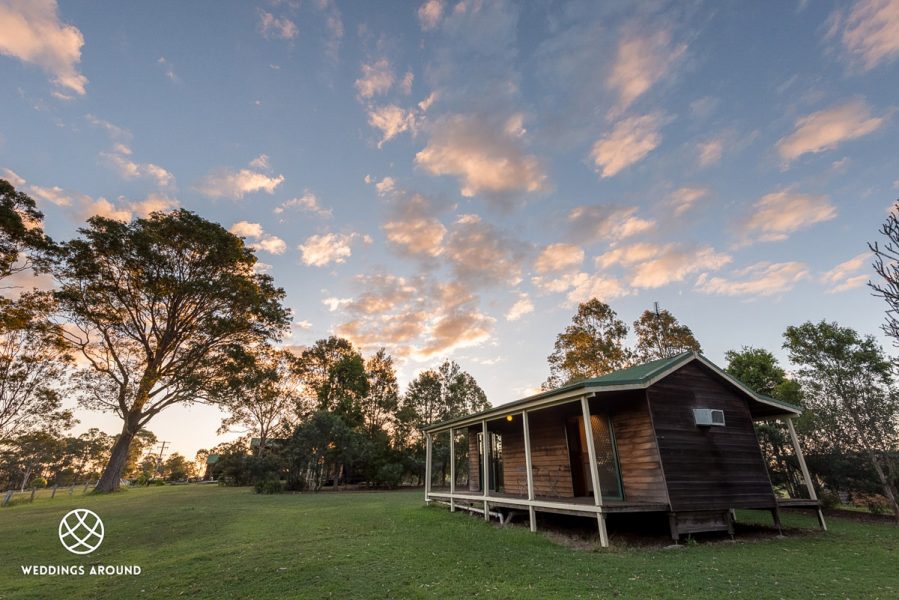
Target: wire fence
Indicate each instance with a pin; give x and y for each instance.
(14, 496)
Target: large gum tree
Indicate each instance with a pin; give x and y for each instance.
(157, 307)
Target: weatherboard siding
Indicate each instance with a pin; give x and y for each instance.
(638, 454)
(707, 467)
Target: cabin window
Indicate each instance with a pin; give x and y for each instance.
(494, 461)
(606, 458)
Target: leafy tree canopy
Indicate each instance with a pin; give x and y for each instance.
(157, 307)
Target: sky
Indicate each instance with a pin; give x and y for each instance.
(450, 179)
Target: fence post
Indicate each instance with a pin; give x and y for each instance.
(53, 495)
(87, 483)
(33, 490)
(72, 489)
(8, 497)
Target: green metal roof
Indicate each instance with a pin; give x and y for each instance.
(638, 376)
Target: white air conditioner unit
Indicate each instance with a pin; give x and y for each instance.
(708, 417)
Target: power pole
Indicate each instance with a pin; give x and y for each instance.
(159, 458)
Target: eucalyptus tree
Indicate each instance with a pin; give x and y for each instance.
(33, 357)
(23, 244)
(380, 404)
(156, 308)
(263, 384)
(661, 335)
(847, 382)
(593, 345)
(333, 374)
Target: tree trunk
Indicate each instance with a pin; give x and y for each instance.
(26, 477)
(112, 475)
(887, 486)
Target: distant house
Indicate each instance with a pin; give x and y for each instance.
(270, 444)
(670, 436)
(210, 462)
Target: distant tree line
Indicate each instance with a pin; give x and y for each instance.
(345, 421)
(170, 309)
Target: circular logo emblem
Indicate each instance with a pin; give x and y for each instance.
(81, 531)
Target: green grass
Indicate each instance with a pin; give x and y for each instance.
(210, 542)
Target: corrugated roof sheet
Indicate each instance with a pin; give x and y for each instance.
(636, 376)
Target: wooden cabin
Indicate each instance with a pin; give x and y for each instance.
(671, 436)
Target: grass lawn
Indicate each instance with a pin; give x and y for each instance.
(210, 542)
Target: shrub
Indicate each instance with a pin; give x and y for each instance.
(269, 486)
(39, 483)
(390, 475)
(829, 500)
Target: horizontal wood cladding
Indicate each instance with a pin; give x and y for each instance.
(638, 455)
(474, 469)
(707, 467)
(549, 455)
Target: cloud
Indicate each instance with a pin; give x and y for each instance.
(416, 235)
(641, 61)
(303, 325)
(385, 186)
(584, 286)
(759, 279)
(246, 229)
(778, 214)
(228, 183)
(656, 265)
(628, 143)
(412, 228)
(270, 26)
(13, 178)
(559, 257)
(308, 202)
(101, 207)
(168, 69)
(457, 323)
(33, 33)
(683, 199)
(412, 317)
(377, 78)
(702, 108)
(482, 255)
(334, 24)
(112, 130)
(322, 250)
(486, 157)
(153, 203)
(606, 223)
(827, 129)
(54, 195)
(406, 83)
(81, 206)
(869, 32)
(26, 280)
(128, 169)
(521, 307)
(845, 276)
(430, 13)
(710, 151)
(261, 162)
(391, 120)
